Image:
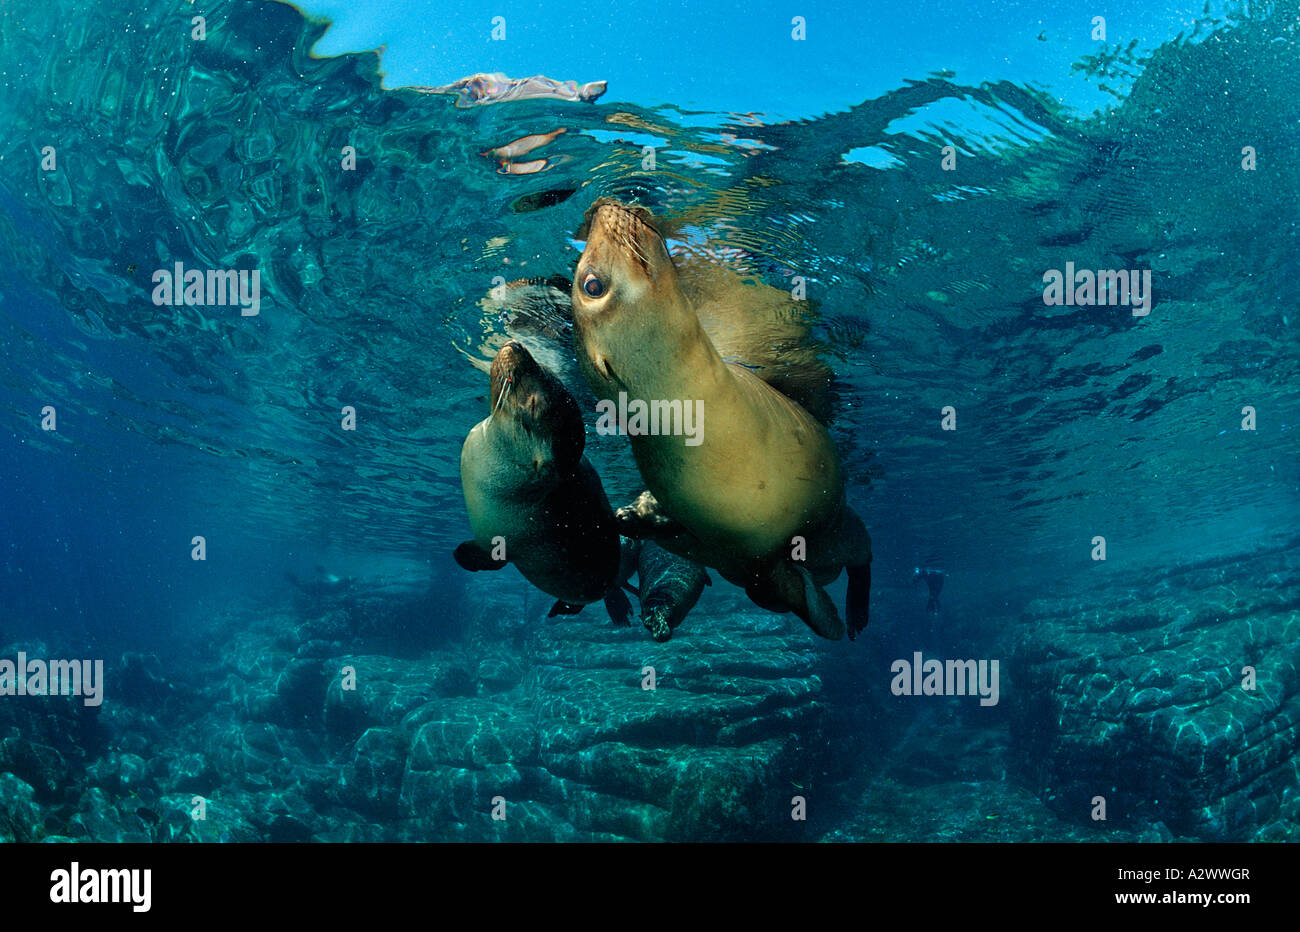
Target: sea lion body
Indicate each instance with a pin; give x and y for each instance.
(761, 498)
(669, 588)
(529, 489)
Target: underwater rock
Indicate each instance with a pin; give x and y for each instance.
(20, 816)
(386, 689)
(139, 681)
(192, 773)
(39, 765)
(300, 689)
(371, 780)
(1177, 699)
(334, 626)
(118, 772)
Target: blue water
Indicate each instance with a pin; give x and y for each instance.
(819, 158)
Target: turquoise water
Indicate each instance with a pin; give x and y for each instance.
(1072, 421)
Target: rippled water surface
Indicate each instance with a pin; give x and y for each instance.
(1072, 421)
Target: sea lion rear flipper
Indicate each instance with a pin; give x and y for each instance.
(632, 589)
(856, 606)
(792, 587)
(619, 608)
(818, 611)
(562, 607)
(645, 520)
(474, 558)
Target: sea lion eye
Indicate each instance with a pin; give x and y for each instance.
(593, 286)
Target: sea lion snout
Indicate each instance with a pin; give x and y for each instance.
(511, 363)
(539, 408)
(630, 227)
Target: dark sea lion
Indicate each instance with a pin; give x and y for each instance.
(532, 496)
(669, 586)
(761, 497)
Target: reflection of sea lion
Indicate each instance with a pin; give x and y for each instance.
(532, 496)
(522, 146)
(523, 168)
(761, 499)
(669, 588)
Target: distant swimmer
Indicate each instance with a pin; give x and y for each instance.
(933, 577)
(495, 88)
(321, 583)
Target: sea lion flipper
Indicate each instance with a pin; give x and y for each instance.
(856, 606)
(619, 607)
(644, 519)
(562, 607)
(818, 609)
(789, 587)
(474, 558)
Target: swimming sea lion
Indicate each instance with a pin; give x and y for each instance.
(760, 497)
(669, 587)
(533, 499)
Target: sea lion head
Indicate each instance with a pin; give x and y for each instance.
(625, 293)
(537, 415)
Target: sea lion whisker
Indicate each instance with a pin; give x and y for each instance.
(505, 390)
(629, 243)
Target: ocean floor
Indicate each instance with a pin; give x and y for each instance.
(323, 722)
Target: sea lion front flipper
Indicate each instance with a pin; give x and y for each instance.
(619, 607)
(645, 520)
(563, 608)
(474, 558)
(856, 606)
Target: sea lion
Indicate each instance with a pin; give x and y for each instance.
(524, 168)
(668, 586)
(482, 88)
(761, 498)
(522, 146)
(533, 499)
